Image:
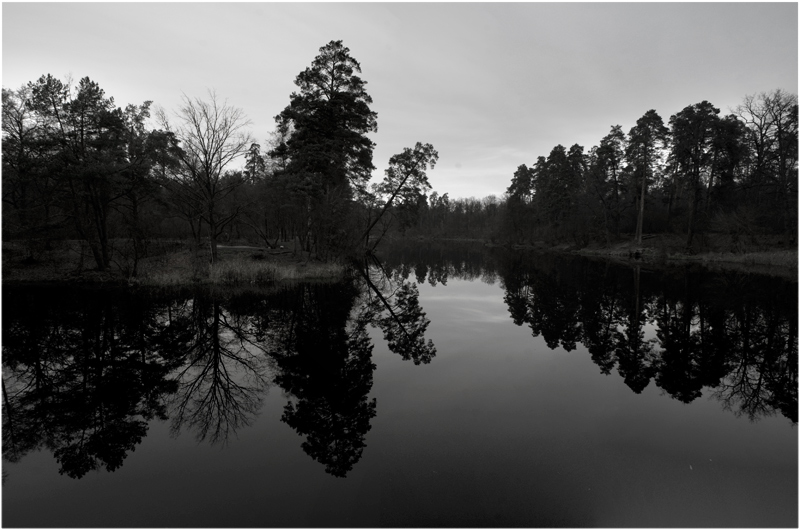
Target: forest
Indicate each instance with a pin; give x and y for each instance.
(129, 183)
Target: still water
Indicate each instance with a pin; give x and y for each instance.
(444, 387)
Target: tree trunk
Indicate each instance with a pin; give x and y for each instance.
(135, 234)
(692, 211)
(212, 232)
(640, 217)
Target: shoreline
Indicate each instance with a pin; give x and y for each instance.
(251, 267)
(775, 262)
(782, 264)
(238, 267)
(770, 260)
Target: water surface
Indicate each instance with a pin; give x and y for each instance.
(447, 387)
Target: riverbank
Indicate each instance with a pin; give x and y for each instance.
(765, 255)
(236, 265)
(770, 256)
(244, 265)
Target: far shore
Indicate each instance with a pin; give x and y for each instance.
(768, 258)
(773, 262)
(241, 265)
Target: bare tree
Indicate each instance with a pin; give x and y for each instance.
(212, 135)
(771, 120)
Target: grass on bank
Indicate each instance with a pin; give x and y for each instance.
(239, 272)
(172, 265)
(234, 269)
(253, 272)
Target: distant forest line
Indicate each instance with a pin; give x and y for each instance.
(76, 166)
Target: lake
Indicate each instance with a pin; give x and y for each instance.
(441, 386)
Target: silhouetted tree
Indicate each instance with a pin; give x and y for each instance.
(86, 133)
(644, 139)
(405, 183)
(771, 177)
(329, 156)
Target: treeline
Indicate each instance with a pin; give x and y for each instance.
(735, 175)
(76, 166)
(700, 172)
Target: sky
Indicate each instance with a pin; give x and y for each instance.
(490, 85)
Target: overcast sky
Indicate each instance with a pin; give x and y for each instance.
(490, 85)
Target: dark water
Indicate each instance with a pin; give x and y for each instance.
(448, 387)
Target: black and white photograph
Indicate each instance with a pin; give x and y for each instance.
(399, 264)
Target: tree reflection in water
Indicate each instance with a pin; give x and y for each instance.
(85, 371)
(684, 328)
(221, 383)
(392, 303)
(82, 376)
(324, 362)
(317, 336)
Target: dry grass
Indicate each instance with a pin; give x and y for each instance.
(234, 269)
(236, 266)
(240, 272)
(177, 268)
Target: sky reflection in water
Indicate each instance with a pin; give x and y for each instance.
(496, 429)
